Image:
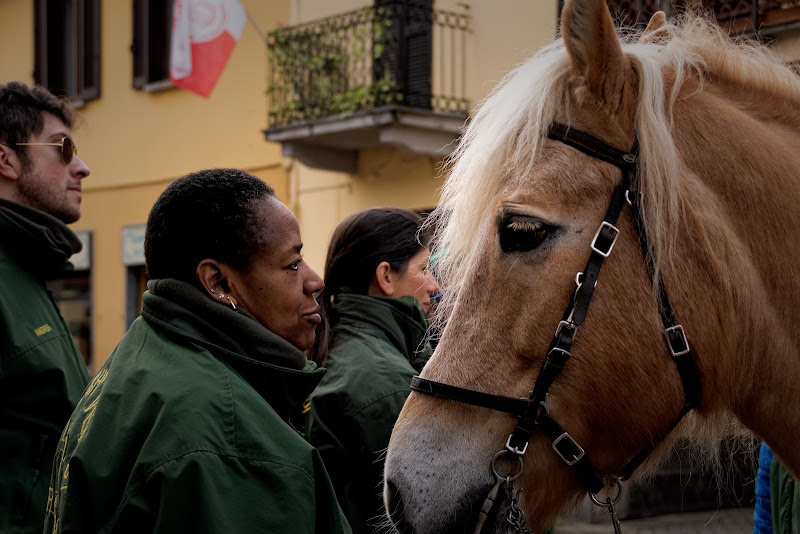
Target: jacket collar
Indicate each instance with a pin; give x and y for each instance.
(37, 240)
(275, 368)
(402, 320)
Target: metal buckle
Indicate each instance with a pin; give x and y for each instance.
(573, 443)
(614, 230)
(565, 353)
(511, 448)
(545, 404)
(572, 327)
(682, 349)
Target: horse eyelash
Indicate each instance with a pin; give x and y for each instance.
(515, 235)
(522, 225)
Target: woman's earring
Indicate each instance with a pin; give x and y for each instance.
(221, 296)
(232, 304)
(212, 291)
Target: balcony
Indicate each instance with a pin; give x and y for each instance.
(755, 18)
(760, 18)
(392, 74)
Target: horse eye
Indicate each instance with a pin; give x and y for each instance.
(518, 235)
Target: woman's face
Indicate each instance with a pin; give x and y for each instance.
(278, 287)
(417, 280)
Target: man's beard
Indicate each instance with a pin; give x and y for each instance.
(36, 192)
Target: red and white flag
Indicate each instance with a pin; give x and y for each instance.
(204, 33)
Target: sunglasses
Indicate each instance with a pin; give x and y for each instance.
(67, 145)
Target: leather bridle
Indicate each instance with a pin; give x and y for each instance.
(533, 412)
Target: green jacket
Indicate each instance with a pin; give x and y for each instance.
(186, 428)
(785, 497)
(42, 373)
(377, 347)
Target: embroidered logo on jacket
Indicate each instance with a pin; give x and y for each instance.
(59, 482)
(45, 328)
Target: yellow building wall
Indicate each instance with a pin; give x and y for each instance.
(503, 34)
(137, 142)
(16, 40)
(386, 177)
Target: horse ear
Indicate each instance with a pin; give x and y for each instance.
(653, 33)
(593, 46)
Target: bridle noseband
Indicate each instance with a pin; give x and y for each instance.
(533, 412)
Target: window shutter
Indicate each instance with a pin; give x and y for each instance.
(139, 45)
(89, 49)
(67, 47)
(417, 40)
(406, 48)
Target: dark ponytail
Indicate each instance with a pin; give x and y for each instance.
(359, 244)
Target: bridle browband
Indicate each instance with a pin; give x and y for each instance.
(534, 411)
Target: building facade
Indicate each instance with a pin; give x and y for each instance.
(336, 104)
(138, 132)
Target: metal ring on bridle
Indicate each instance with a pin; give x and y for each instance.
(613, 501)
(506, 478)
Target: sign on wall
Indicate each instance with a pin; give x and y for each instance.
(133, 245)
(83, 259)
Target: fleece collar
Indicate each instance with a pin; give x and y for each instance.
(401, 320)
(274, 367)
(36, 239)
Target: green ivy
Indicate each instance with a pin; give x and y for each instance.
(313, 72)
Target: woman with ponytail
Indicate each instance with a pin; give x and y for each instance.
(372, 340)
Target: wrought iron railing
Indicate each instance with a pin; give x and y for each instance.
(392, 53)
(638, 12)
(738, 16)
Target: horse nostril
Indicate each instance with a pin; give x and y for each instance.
(395, 509)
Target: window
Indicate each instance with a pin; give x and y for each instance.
(133, 259)
(136, 286)
(152, 30)
(73, 293)
(406, 30)
(74, 297)
(67, 35)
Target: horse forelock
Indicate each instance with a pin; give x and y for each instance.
(502, 142)
(506, 134)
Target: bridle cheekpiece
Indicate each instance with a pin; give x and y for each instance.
(533, 412)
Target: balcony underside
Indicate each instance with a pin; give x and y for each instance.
(333, 143)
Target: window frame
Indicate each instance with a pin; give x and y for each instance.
(75, 72)
(145, 40)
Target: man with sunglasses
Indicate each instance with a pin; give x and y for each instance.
(42, 373)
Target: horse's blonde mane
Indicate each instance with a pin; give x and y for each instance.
(717, 128)
(506, 134)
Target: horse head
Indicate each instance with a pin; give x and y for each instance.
(663, 128)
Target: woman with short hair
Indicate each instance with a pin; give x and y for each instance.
(189, 426)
